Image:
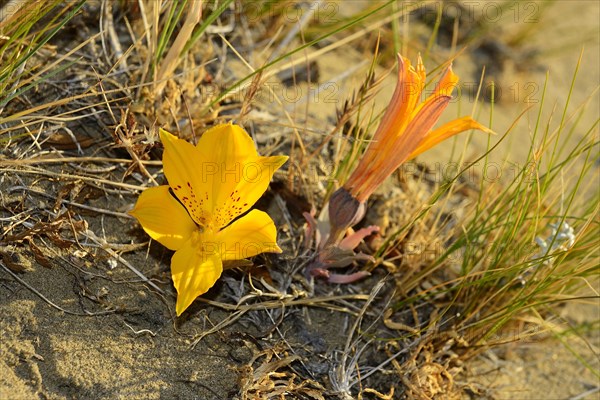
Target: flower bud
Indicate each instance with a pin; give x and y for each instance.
(345, 211)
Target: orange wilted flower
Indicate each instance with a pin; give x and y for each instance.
(405, 130)
(403, 133)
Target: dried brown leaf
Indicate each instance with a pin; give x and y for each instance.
(12, 261)
(39, 256)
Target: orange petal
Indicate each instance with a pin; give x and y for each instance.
(163, 217)
(446, 131)
(412, 85)
(447, 84)
(399, 151)
(391, 115)
(415, 82)
(420, 125)
(393, 119)
(443, 88)
(421, 70)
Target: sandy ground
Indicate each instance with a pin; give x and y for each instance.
(130, 346)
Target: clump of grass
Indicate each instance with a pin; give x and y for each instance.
(26, 27)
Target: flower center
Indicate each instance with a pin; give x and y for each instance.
(204, 242)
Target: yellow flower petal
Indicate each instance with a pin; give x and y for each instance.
(241, 175)
(252, 234)
(163, 217)
(195, 268)
(220, 178)
(446, 131)
(255, 176)
(225, 149)
(226, 142)
(186, 173)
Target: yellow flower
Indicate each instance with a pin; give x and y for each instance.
(405, 130)
(210, 185)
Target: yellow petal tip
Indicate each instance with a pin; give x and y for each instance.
(166, 136)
